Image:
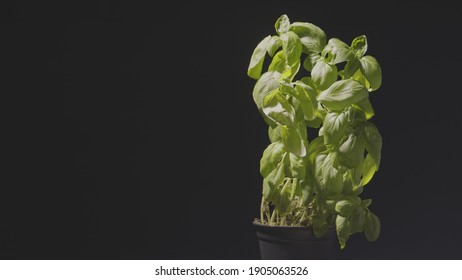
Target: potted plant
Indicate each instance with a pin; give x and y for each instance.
(312, 183)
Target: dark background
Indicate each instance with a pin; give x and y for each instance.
(130, 131)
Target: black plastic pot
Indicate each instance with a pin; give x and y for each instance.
(295, 243)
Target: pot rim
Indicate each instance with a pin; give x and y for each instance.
(257, 224)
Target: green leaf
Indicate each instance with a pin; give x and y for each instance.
(319, 217)
(324, 74)
(359, 46)
(294, 97)
(305, 107)
(339, 50)
(343, 230)
(366, 202)
(372, 227)
(359, 77)
(282, 25)
(369, 169)
(268, 82)
(301, 127)
(309, 88)
(313, 39)
(331, 178)
(309, 81)
(292, 47)
(284, 197)
(287, 88)
(307, 96)
(347, 205)
(342, 94)
(320, 229)
(356, 175)
(348, 182)
(296, 188)
(307, 187)
(273, 181)
(272, 156)
(258, 56)
(315, 147)
(267, 190)
(274, 133)
(292, 141)
(318, 165)
(279, 63)
(310, 61)
(334, 125)
(355, 116)
(291, 71)
(351, 67)
(331, 200)
(316, 123)
(351, 151)
(373, 141)
(370, 68)
(273, 45)
(357, 220)
(302, 109)
(278, 109)
(295, 166)
(365, 106)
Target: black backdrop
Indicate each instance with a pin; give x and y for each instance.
(130, 131)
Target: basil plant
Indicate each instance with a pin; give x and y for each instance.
(316, 180)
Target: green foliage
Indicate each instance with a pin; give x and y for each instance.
(282, 25)
(313, 39)
(372, 227)
(273, 45)
(293, 141)
(359, 46)
(258, 56)
(324, 74)
(317, 183)
(371, 70)
(272, 156)
(342, 94)
(340, 51)
(334, 127)
(277, 108)
(292, 47)
(351, 151)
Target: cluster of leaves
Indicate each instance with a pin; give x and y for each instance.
(317, 183)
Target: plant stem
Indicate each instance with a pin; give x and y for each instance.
(267, 212)
(262, 210)
(273, 215)
(302, 218)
